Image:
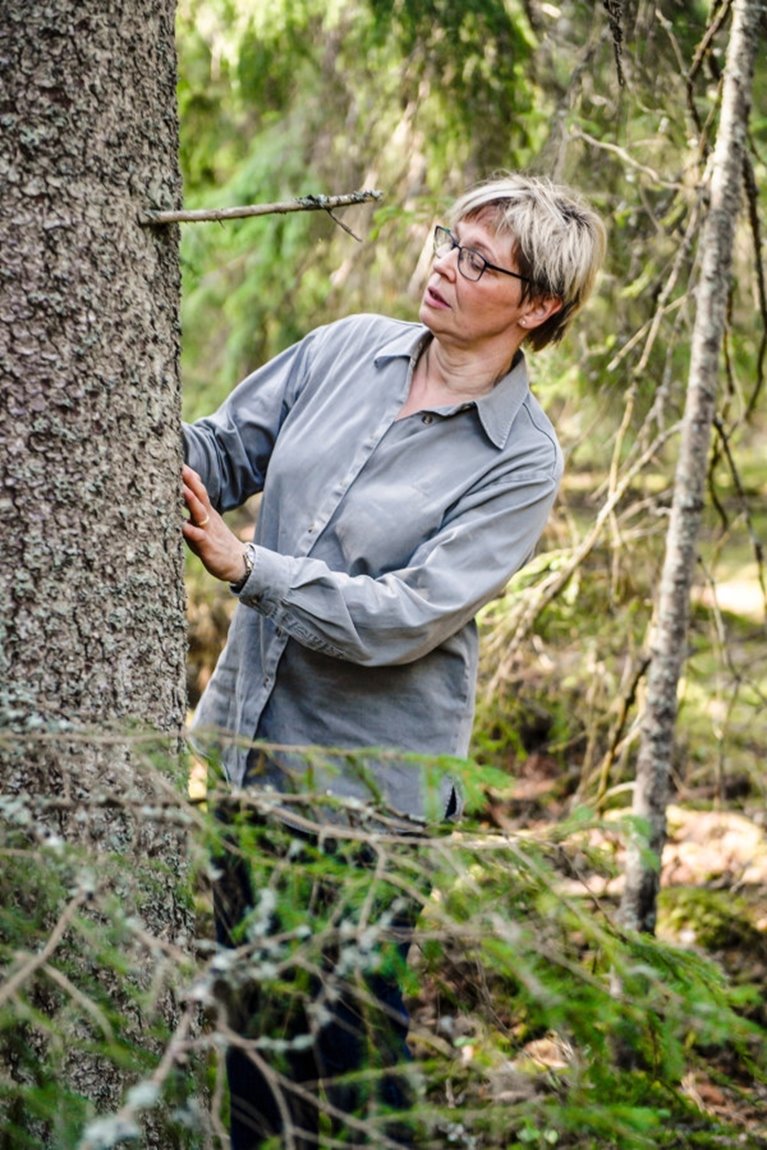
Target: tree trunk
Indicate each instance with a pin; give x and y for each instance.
(92, 629)
(638, 909)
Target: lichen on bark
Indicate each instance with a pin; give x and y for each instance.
(92, 627)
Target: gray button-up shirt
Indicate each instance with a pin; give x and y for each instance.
(378, 540)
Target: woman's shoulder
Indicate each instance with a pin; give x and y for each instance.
(367, 326)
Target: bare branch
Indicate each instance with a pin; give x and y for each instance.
(752, 198)
(628, 159)
(87, 1004)
(282, 1086)
(550, 587)
(34, 962)
(717, 20)
(756, 543)
(344, 227)
(614, 9)
(301, 204)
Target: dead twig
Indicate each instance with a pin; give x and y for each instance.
(33, 962)
(628, 159)
(550, 587)
(245, 211)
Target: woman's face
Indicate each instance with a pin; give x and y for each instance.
(476, 315)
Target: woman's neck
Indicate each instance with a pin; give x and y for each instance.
(462, 374)
(442, 378)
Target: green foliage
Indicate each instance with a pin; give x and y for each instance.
(536, 1021)
(84, 1002)
(478, 56)
(717, 919)
(418, 95)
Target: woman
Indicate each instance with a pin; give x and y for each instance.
(407, 472)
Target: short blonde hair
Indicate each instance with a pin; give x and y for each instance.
(559, 240)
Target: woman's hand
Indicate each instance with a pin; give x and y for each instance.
(221, 552)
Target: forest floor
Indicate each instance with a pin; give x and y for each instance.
(713, 902)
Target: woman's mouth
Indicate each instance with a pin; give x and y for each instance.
(434, 299)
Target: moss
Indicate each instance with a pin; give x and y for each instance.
(717, 919)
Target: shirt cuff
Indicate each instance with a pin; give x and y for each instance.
(268, 583)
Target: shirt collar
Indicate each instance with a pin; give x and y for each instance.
(497, 409)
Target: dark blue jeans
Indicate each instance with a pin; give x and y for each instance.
(358, 1049)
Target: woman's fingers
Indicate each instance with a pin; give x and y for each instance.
(195, 497)
(198, 512)
(206, 532)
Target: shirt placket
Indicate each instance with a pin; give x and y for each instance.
(338, 491)
(276, 645)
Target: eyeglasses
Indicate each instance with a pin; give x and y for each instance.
(471, 264)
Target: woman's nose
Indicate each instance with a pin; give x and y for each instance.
(447, 261)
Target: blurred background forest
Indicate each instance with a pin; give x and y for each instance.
(283, 98)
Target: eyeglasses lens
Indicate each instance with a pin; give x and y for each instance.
(469, 264)
(443, 242)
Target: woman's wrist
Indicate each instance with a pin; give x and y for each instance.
(248, 561)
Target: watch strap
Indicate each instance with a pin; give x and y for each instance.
(249, 562)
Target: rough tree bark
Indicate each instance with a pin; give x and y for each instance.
(638, 909)
(92, 629)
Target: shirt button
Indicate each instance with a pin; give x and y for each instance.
(428, 418)
(267, 680)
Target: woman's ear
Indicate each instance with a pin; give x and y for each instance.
(540, 310)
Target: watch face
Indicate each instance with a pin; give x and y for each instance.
(248, 562)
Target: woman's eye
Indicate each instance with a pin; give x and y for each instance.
(476, 260)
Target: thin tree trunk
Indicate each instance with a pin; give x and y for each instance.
(638, 909)
(92, 628)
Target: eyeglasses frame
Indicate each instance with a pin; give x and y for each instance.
(440, 228)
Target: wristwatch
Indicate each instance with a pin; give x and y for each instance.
(249, 562)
